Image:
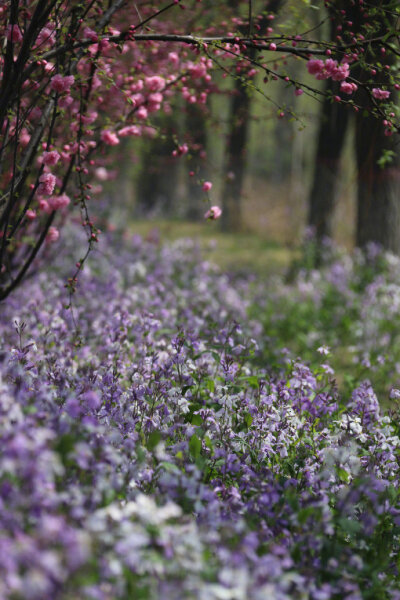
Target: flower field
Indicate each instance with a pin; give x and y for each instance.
(182, 433)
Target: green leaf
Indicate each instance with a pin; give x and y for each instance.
(248, 419)
(196, 420)
(343, 475)
(195, 446)
(153, 439)
(210, 385)
(349, 526)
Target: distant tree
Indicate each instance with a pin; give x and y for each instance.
(378, 183)
(239, 120)
(158, 179)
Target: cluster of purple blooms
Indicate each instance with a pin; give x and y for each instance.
(146, 451)
(351, 304)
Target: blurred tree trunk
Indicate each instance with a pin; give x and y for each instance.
(197, 125)
(378, 193)
(158, 180)
(332, 128)
(239, 125)
(333, 122)
(378, 182)
(378, 196)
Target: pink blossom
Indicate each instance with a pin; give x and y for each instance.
(109, 138)
(154, 102)
(24, 137)
(298, 92)
(197, 70)
(156, 98)
(173, 58)
(142, 113)
(30, 214)
(51, 158)
(330, 67)
(380, 94)
(155, 83)
(57, 83)
(101, 173)
(45, 36)
(89, 34)
(348, 88)
(272, 46)
(52, 235)
(44, 206)
(62, 84)
(129, 130)
(213, 213)
(207, 185)
(137, 99)
(90, 118)
(341, 72)
(65, 102)
(315, 66)
(47, 182)
(182, 150)
(57, 202)
(137, 86)
(13, 33)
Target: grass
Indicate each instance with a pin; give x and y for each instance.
(239, 252)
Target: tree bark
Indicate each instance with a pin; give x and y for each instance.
(239, 125)
(157, 182)
(235, 165)
(333, 122)
(378, 196)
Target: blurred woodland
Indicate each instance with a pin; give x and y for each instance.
(279, 161)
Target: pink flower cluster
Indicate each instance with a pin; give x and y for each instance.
(181, 150)
(327, 69)
(57, 202)
(62, 84)
(129, 130)
(89, 34)
(47, 183)
(347, 87)
(13, 34)
(52, 235)
(53, 203)
(109, 138)
(213, 213)
(155, 83)
(380, 94)
(51, 158)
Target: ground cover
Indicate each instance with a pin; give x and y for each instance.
(158, 442)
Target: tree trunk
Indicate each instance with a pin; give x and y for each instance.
(157, 182)
(231, 219)
(239, 125)
(333, 123)
(378, 197)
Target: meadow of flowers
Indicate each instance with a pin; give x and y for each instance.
(168, 439)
